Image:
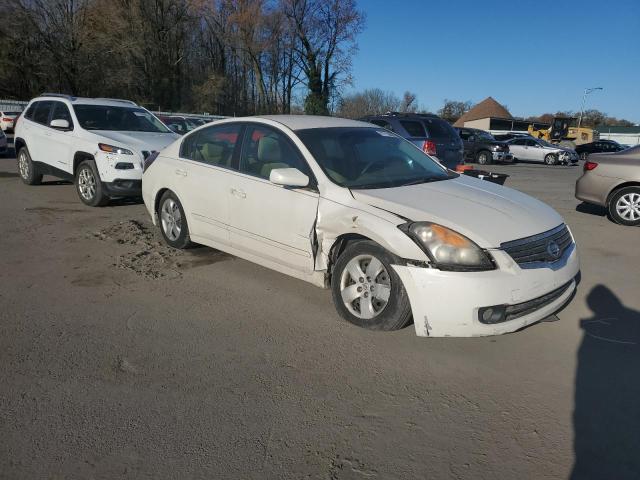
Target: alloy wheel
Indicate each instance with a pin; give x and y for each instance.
(628, 206)
(365, 286)
(171, 219)
(87, 184)
(23, 166)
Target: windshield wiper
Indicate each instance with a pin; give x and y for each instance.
(418, 181)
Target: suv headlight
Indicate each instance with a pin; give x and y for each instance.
(448, 250)
(111, 149)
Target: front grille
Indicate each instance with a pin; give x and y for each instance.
(525, 308)
(546, 247)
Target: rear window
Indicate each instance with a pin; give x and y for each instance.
(439, 128)
(414, 129)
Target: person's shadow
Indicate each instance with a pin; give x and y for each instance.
(607, 397)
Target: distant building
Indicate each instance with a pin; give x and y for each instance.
(490, 115)
(622, 135)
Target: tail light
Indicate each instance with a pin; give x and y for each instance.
(429, 147)
(149, 160)
(588, 166)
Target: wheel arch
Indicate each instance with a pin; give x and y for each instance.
(18, 143)
(620, 186)
(156, 200)
(80, 157)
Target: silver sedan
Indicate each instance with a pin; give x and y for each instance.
(537, 150)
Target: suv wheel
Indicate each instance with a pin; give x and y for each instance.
(28, 171)
(89, 185)
(484, 157)
(366, 289)
(624, 206)
(173, 221)
(550, 159)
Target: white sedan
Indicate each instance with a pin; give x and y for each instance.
(537, 150)
(353, 207)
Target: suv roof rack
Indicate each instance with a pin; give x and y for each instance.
(59, 95)
(410, 114)
(121, 100)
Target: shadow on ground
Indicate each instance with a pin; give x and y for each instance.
(591, 209)
(607, 396)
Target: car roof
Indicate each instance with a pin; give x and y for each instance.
(302, 122)
(111, 102)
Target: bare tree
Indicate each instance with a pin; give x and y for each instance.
(452, 110)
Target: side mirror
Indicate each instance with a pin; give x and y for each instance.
(60, 124)
(288, 177)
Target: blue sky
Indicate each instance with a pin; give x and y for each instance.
(532, 56)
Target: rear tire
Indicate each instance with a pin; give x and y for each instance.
(484, 157)
(366, 289)
(173, 221)
(550, 159)
(624, 206)
(89, 186)
(26, 168)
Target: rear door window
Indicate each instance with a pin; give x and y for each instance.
(30, 111)
(212, 146)
(414, 129)
(41, 115)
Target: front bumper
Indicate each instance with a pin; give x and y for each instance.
(502, 157)
(447, 304)
(123, 188)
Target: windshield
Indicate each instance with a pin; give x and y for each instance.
(485, 136)
(370, 158)
(124, 119)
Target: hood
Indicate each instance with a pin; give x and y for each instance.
(487, 213)
(140, 141)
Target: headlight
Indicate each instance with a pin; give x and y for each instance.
(448, 250)
(111, 149)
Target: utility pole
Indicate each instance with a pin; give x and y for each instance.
(587, 91)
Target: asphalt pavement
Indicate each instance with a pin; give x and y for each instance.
(121, 358)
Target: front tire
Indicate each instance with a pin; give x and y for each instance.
(173, 221)
(89, 186)
(484, 158)
(366, 289)
(624, 206)
(28, 171)
(550, 159)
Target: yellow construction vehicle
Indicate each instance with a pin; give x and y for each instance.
(563, 130)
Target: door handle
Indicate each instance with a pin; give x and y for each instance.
(181, 172)
(238, 193)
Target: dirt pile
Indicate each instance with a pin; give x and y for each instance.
(149, 256)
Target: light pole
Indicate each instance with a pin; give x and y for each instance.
(587, 91)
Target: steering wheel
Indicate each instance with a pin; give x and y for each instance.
(386, 160)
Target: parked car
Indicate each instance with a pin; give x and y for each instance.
(97, 143)
(351, 206)
(538, 150)
(601, 146)
(429, 132)
(181, 125)
(612, 180)
(6, 120)
(3, 143)
(503, 137)
(481, 147)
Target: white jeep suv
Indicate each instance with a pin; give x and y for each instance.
(98, 143)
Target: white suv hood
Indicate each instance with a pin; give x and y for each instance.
(140, 141)
(487, 213)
